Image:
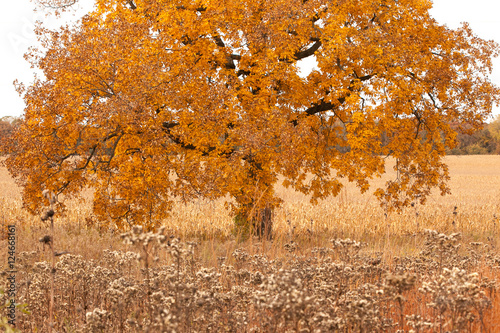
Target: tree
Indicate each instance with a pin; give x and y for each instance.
(484, 141)
(7, 125)
(149, 100)
(494, 128)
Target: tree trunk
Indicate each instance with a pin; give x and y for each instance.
(263, 223)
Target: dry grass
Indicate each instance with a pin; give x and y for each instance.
(301, 281)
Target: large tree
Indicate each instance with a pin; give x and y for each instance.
(149, 100)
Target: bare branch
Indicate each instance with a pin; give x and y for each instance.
(132, 4)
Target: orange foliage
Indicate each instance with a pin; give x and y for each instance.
(148, 100)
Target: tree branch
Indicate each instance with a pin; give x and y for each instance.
(198, 9)
(219, 41)
(169, 125)
(132, 4)
(309, 52)
(327, 106)
(189, 146)
(89, 158)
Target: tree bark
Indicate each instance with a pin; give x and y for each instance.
(263, 223)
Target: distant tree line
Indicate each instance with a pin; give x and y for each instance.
(7, 125)
(482, 142)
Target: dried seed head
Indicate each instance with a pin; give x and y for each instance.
(46, 239)
(47, 214)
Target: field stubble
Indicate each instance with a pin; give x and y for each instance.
(341, 265)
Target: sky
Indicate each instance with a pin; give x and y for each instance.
(17, 20)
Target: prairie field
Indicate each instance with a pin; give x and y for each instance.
(344, 265)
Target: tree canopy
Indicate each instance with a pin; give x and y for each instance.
(151, 100)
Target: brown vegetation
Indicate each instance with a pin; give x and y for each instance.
(329, 267)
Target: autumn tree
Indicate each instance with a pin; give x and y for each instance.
(494, 128)
(484, 141)
(149, 100)
(7, 125)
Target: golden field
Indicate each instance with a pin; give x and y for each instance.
(341, 265)
(475, 191)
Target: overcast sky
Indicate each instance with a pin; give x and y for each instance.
(17, 22)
